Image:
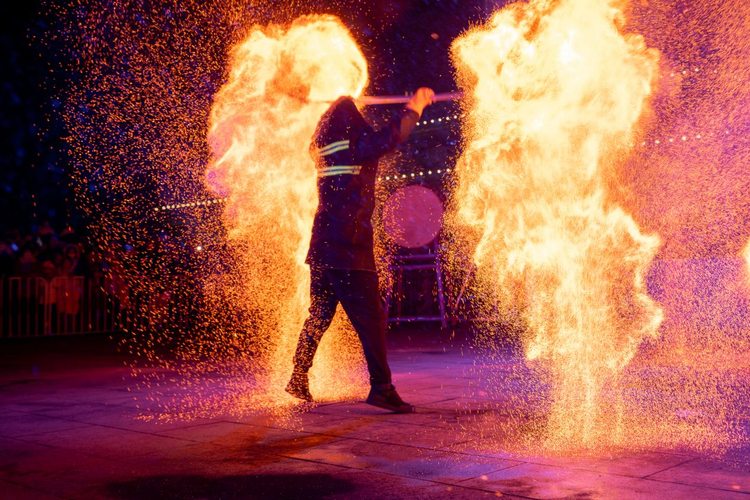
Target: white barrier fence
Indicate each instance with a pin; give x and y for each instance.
(36, 307)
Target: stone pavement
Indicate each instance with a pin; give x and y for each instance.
(68, 430)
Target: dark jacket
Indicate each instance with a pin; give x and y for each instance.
(346, 150)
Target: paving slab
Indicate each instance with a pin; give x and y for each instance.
(247, 485)
(407, 461)
(209, 471)
(19, 424)
(251, 437)
(124, 418)
(730, 476)
(12, 490)
(14, 451)
(424, 416)
(106, 442)
(77, 433)
(388, 433)
(66, 473)
(376, 486)
(308, 422)
(206, 459)
(549, 482)
(624, 462)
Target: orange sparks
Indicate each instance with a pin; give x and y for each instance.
(555, 92)
(261, 125)
(551, 203)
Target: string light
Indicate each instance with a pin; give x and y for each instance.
(190, 204)
(421, 173)
(441, 119)
(684, 138)
(686, 71)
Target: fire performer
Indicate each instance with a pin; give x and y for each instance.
(346, 150)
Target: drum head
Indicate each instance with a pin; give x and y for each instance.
(412, 216)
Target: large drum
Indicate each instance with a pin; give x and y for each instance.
(412, 216)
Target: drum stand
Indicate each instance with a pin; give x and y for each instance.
(416, 262)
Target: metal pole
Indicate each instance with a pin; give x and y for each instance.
(370, 100)
(441, 297)
(402, 99)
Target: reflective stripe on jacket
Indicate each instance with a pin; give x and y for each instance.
(346, 150)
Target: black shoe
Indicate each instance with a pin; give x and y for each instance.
(389, 399)
(298, 386)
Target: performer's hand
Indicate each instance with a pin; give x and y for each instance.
(422, 98)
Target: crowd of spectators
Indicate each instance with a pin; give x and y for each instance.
(49, 282)
(46, 253)
(52, 282)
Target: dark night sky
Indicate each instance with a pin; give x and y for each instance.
(31, 154)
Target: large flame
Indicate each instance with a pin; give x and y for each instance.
(261, 126)
(555, 91)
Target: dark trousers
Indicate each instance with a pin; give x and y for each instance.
(358, 293)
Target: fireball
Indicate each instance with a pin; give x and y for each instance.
(261, 124)
(555, 92)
